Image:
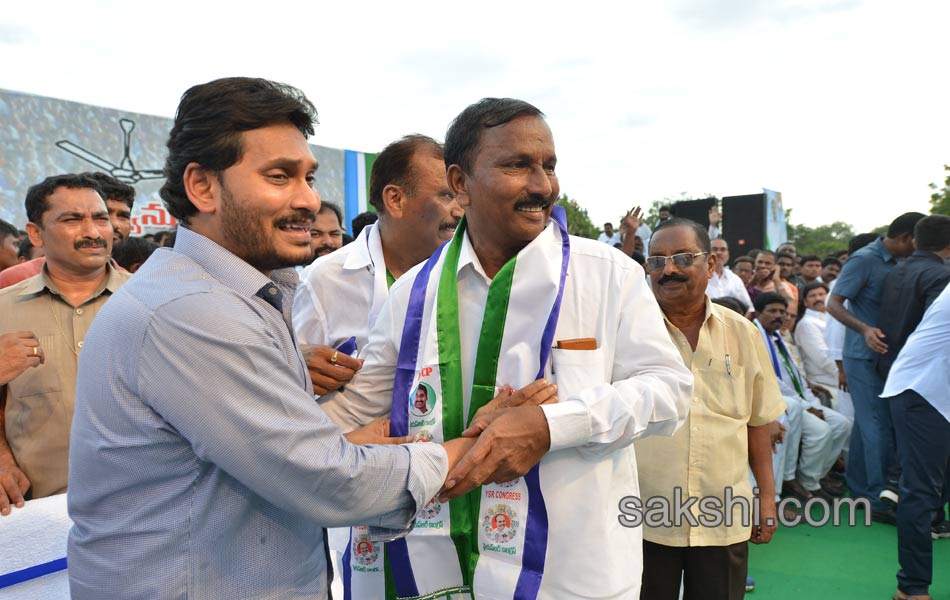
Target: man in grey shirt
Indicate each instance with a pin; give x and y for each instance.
(200, 464)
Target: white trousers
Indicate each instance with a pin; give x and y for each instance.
(813, 444)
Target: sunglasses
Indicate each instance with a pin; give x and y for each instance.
(657, 263)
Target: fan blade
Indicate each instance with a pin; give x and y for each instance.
(86, 155)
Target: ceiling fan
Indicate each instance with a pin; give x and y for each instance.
(125, 171)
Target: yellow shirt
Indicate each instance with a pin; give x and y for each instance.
(735, 388)
(40, 401)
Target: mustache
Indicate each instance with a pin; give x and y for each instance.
(300, 217)
(673, 277)
(324, 248)
(450, 224)
(90, 243)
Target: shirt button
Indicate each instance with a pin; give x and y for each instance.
(695, 428)
(78, 311)
(272, 291)
(79, 343)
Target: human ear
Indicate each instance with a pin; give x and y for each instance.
(202, 187)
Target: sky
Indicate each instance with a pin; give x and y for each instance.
(838, 104)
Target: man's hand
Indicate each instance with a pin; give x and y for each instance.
(817, 413)
(535, 393)
(715, 217)
(457, 448)
(842, 378)
(510, 442)
(13, 484)
(763, 531)
(777, 434)
(823, 394)
(874, 337)
(329, 369)
(632, 221)
(19, 351)
(376, 432)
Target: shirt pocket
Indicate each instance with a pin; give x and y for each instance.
(724, 389)
(576, 370)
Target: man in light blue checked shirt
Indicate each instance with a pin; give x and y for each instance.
(200, 464)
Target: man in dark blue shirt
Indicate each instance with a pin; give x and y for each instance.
(862, 283)
(911, 287)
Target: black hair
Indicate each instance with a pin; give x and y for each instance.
(730, 303)
(766, 298)
(814, 285)
(638, 256)
(860, 241)
(361, 220)
(326, 207)
(393, 166)
(830, 260)
(784, 255)
(113, 189)
(133, 251)
(465, 131)
(809, 258)
(8, 229)
(904, 224)
(25, 249)
(740, 259)
(702, 236)
(932, 233)
(38, 194)
(666, 208)
(210, 120)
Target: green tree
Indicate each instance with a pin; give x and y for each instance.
(578, 221)
(822, 240)
(940, 198)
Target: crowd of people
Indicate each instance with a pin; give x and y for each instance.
(268, 407)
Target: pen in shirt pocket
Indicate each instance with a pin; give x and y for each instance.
(728, 365)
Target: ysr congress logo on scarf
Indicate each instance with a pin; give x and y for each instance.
(500, 524)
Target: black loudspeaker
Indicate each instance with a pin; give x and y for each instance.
(694, 210)
(743, 223)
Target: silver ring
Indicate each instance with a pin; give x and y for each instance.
(35, 353)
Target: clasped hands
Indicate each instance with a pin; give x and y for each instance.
(507, 437)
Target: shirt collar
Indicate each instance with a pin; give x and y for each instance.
(881, 249)
(467, 257)
(226, 267)
(38, 283)
(359, 257)
(926, 255)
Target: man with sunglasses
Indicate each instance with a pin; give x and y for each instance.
(735, 399)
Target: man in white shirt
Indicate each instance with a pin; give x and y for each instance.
(810, 337)
(725, 283)
(340, 295)
(486, 310)
(609, 236)
(918, 387)
(824, 432)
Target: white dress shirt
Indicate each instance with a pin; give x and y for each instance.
(835, 330)
(340, 294)
(923, 364)
(810, 338)
(728, 285)
(634, 384)
(614, 239)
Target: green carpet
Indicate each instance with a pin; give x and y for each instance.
(836, 563)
